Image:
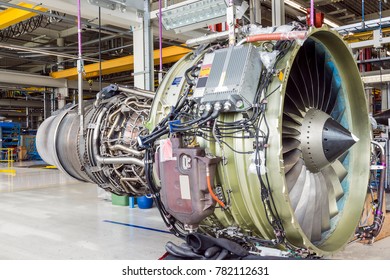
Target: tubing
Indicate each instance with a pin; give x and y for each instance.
(312, 15)
(211, 189)
(141, 93)
(200, 243)
(293, 35)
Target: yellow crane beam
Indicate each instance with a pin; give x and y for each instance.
(169, 54)
(13, 16)
(362, 36)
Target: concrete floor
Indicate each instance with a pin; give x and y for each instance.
(46, 215)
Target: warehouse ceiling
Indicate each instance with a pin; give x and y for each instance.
(32, 45)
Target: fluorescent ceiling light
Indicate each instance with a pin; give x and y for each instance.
(194, 15)
(295, 5)
(302, 9)
(331, 23)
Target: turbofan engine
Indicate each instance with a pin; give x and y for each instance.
(265, 143)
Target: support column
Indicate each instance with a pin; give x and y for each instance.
(255, 11)
(46, 104)
(278, 15)
(143, 51)
(60, 60)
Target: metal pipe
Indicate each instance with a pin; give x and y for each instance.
(363, 24)
(32, 50)
(80, 69)
(160, 32)
(119, 160)
(207, 39)
(126, 149)
(142, 93)
(312, 15)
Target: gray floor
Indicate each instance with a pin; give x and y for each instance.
(45, 215)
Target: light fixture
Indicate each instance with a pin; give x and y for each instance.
(302, 9)
(190, 15)
(295, 5)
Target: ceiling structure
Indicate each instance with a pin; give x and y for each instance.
(39, 35)
(45, 42)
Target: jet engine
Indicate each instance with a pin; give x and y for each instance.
(266, 142)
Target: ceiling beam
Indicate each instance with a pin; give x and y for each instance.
(112, 17)
(170, 54)
(338, 11)
(23, 79)
(13, 16)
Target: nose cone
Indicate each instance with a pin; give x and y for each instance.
(336, 140)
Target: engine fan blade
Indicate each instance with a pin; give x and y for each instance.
(290, 144)
(291, 125)
(340, 170)
(330, 174)
(296, 87)
(310, 55)
(298, 69)
(290, 159)
(290, 107)
(288, 131)
(293, 175)
(333, 209)
(295, 191)
(306, 206)
(288, 118)
(296, 118)
(325, 214)
(316, 229)
(321, 74)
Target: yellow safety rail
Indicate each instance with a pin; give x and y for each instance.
(8, 160)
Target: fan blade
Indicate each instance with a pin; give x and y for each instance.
(316, 229)
(293, 84)
(325, 215)
(295, 191)
(310, 54)
(306, 206)
(308, 71)
(332, 176)
(340, 170)
(290, 159)
(321, 74)
(293, 175)
(290, 131)
(290, 107)
(333, 209)
(296, 118)
(291, 125)
(288, 118)
(297, 68)
(328, 89)
(290, 144)
(290, 98)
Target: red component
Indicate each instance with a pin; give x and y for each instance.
(318, 20)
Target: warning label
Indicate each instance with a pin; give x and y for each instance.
(205, 71)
